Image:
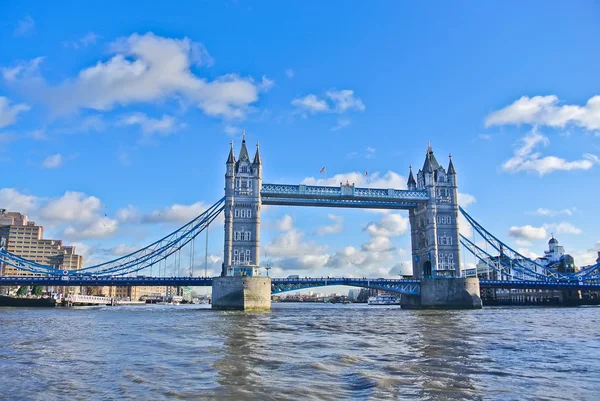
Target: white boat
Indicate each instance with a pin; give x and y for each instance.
(384, 299)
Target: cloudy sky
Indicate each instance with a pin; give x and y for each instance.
(116, 118)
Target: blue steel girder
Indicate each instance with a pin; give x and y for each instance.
(347, 196)
(541, 285)
(117, 281)
(409, 287)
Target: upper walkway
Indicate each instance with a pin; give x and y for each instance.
(345, 195)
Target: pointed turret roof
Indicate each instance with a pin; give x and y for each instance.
(231, 157)
(411, 178)
(257, 159)
(451, 170)
(243, 150)
(430, 161)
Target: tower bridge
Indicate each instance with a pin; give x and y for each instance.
(431, 199)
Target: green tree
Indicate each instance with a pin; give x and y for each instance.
(37, 290)
(22, 291)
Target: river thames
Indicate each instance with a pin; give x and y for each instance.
(299, 351)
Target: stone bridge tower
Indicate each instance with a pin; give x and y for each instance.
(243, 182)
(434, 224)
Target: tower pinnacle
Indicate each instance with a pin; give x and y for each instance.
(231, 157)
(451, 170)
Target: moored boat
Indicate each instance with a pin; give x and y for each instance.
(384, 299)
(27, 302)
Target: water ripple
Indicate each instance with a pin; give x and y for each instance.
(299, 351)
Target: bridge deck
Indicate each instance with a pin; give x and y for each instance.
(287, 284)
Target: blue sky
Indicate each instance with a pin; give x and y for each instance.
(116, 118)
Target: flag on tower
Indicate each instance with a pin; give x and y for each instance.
(322, 169)
(367, 172)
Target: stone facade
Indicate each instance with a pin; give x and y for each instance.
(241, 293)
(434, 224)
(243, 182)
(445, 293)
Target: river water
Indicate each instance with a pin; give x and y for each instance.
(299, 352)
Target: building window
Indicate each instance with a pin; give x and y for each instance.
(444, 240)
(236, 213)
(244, 169)
(247, 236)
(444, 219)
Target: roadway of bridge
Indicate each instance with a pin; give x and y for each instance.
(286, 284)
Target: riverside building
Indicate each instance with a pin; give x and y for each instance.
(24, 238)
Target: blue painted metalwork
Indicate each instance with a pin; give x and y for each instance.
(503, 268)
(99, 281)
(279, 285)
(343, 196)
(411, 287)
(541, 285)
(133, 262)
(515, 256)
(345, 203)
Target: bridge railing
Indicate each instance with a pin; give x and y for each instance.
(345, 191)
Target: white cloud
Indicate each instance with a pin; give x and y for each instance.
(231, 130)
(38, 134)
(390, 225)
(166, 125)
(586, 257)
(545, 110)
(86, 40)
(72, 207)
(525, 159)
(8, 112)
(27, 69)
(373, 180)
(289, 73)
(128, 214)
(464, 227)
(82, 213)
(266, 84)
(289, 251)
(52, 161)
(311, 103)
(523, 243)
(341, 123)
(286, 223)
(551, 213)
(15, 201)
(528, 232)
(146, 68)
(123, 157)
(334, 228)
(466, 200)
(344, 100)
(378, 244)
(563, 228)
(527, 253)
(176, 213)
(485, 137)
(25, 27)
(100, 228)
(123, 249)
(334, 101)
